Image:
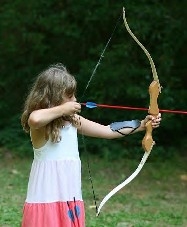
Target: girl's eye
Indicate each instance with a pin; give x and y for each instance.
(71, 96)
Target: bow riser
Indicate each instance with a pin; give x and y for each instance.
(154, 90)
(154, 93)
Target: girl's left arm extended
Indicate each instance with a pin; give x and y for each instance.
(112, 131)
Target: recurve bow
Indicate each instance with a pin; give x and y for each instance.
(147, 142)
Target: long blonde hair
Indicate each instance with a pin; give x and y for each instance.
(48, 91)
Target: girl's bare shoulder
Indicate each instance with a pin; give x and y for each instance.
(38, 137)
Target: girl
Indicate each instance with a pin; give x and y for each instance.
(54, 197)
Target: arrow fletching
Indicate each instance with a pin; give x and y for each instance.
(91, 105)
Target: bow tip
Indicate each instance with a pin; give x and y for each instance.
(98, 209)
(97, 214)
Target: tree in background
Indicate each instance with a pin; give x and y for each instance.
(35, 34)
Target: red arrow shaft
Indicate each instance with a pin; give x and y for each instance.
(137, 108)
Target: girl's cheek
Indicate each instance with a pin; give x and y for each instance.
(73, 98)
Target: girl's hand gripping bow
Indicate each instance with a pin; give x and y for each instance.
(154, 90)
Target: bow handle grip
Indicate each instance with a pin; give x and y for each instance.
(154, 90)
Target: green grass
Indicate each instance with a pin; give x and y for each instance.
(156, 198)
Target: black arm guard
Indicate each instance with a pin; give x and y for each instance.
(116, 126)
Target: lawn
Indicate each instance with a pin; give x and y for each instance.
(156, 198)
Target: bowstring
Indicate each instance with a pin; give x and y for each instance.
(100, 58)
(83, 95)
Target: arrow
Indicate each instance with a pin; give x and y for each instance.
(92, 105)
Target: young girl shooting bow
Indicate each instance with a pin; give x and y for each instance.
(51, 117)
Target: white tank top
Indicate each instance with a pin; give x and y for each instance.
(66, 148)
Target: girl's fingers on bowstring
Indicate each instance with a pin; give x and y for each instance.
(77, 107)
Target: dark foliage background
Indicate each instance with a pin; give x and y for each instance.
(36, 34)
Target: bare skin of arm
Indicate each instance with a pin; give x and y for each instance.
(40, 118)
